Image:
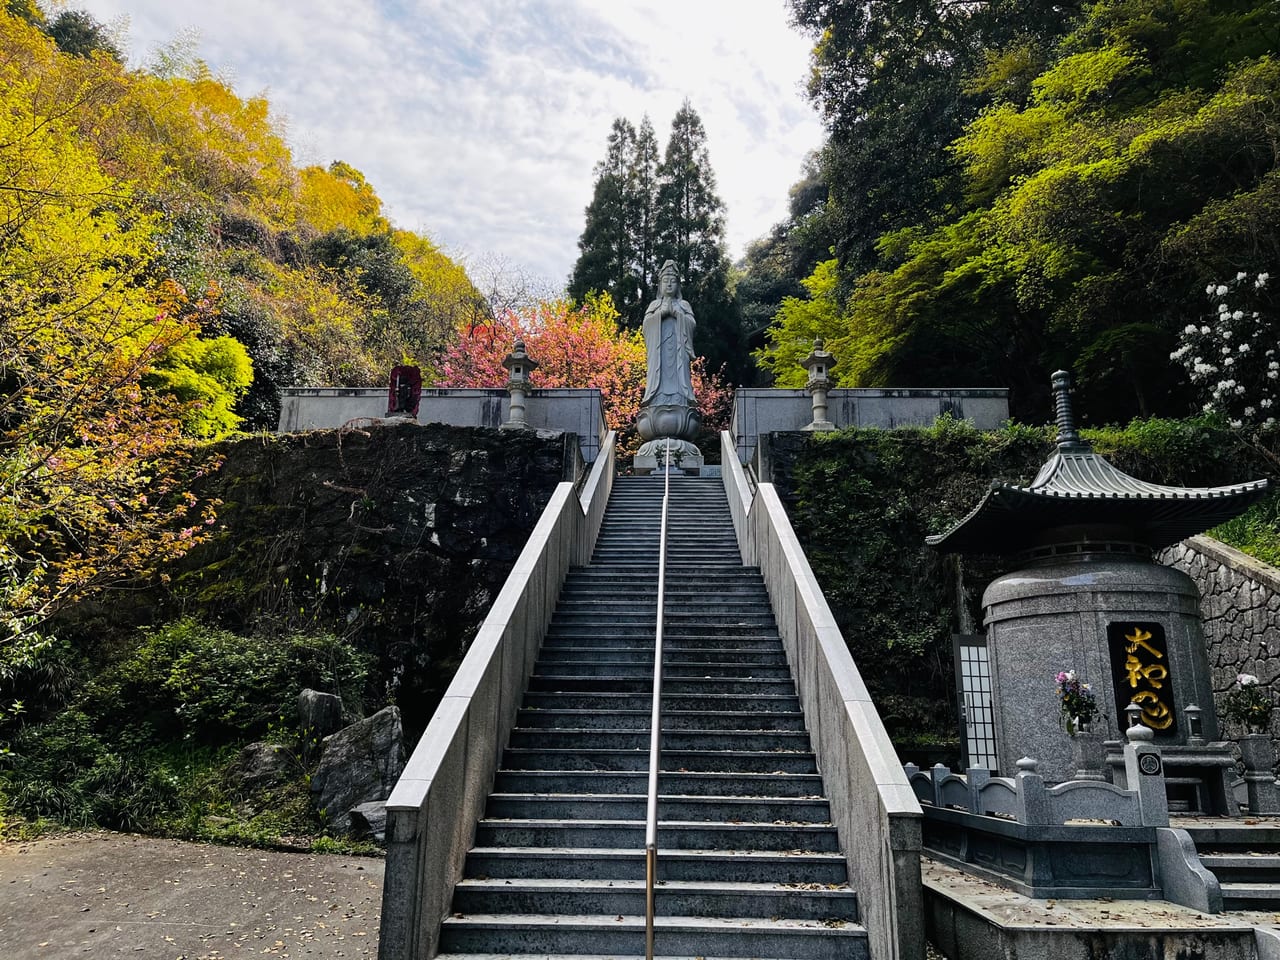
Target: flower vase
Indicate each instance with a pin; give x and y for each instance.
(1259, 755)
(1086, 753)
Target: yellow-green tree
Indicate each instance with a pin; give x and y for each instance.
(93, 469)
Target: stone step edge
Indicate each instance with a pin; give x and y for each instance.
(846, 928)
(691, 825)
(636, 853)
(669, 886)
(812, 799)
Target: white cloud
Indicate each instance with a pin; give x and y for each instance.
(479, 121)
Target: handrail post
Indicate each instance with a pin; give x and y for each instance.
(655, 734)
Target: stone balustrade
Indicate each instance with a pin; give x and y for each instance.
(876, 816)
(433, 810)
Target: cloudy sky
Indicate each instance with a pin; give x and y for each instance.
(479, 121)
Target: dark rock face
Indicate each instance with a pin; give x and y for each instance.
(261, 766)
(358, 765)
(369, 821)
(319, 714)
(396, 537)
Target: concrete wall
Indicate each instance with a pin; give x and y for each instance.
(874, 810)
(1240, 607)
(327, 408)
(433, 810)
(766, 410)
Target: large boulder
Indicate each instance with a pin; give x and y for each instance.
(319, 715)
(358, 764)
(261, 766)
(369, 821)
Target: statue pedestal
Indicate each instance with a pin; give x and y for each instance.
(652, 457)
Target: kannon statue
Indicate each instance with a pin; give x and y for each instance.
(668, 409)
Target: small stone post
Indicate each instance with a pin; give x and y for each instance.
(977, 777)
(519, 365)
(1144, 770)
(938, 772)
(1033, 802)
(1259, 755)
(819, 363)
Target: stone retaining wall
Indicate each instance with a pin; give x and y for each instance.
(1240, 606)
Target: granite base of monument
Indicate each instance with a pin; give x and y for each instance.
(684, 456)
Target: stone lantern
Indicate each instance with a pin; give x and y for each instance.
(819, 363)
(1087, 596)
(519, 365)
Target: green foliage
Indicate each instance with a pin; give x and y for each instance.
(798, 323)
(208, 377)
(1256, 531)
(65, 771)
(77, 33)
(1076, 214)
(202, 682)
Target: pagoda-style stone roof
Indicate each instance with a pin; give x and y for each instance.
(1078, 489)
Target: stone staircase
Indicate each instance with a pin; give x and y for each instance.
(1245, 857)
(748, 864)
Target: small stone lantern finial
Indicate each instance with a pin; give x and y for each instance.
(1068, 436)
(519, 365)
(819, 363)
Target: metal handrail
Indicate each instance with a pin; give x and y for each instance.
(655, 735)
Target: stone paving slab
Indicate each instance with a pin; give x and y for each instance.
(1012, 910)
(115, 896)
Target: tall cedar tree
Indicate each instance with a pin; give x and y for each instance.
(644, 217)
(644, 212)
(691, 232)
(607, 262)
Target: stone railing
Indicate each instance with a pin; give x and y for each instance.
(434, 808)
(1240, 608)
(872, 806)
(1025, 798)
(1082, 839)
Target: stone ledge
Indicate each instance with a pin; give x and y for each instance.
(972, 919)
(1236, 560)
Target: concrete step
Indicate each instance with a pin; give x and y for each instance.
(782, 741)
(1238, 895)
(719, 761)
(609, 700)
(672, 834)
(619, 593)
(618, 573)
(763, 652)
(671, 720)
(671, 670)
(1244, 867)
(697, 898)
(697, 809)
(677, 936)
(720, 628)
(568, 684)
(709, 613)
(703, 606)
(733, 866)
(636, 783)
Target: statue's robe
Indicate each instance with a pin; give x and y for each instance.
(668, 341)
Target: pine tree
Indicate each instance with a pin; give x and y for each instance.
(691, 232)
(606, 262)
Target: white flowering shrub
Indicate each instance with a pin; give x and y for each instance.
(1233, 353)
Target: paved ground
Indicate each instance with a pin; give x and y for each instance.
(114, 896)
